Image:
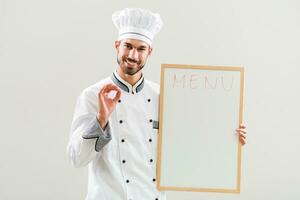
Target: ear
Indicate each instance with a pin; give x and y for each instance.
(150, 51)
(117, 44)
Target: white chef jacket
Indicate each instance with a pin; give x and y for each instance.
(122, 158)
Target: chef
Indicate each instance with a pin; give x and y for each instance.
(115, 123)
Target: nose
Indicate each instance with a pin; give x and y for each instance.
(133, 54)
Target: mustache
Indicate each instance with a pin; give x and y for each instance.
(132, 60)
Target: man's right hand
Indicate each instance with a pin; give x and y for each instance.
(106, 105)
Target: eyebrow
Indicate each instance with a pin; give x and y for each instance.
(128, 43)
(140, 47)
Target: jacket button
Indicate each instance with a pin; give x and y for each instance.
(149, 100)
(150, 140)
(150, 120)
(119, 100)
(121, 121)
(156, 198)
(151, 160)
(123, 140)
(123, 161)
(154, 180)
(127, 181)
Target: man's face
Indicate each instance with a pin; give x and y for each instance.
(132, 55)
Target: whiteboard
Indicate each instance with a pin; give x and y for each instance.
(198, 148)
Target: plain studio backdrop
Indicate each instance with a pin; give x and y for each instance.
(51, 50)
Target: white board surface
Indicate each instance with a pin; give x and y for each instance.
(200, 108)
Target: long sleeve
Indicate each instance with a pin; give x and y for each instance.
(86, 137)
(96, 132)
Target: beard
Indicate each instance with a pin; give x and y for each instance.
(127, 69)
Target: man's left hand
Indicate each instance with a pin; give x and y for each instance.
(241, 131)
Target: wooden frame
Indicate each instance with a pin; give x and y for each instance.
(160, 157)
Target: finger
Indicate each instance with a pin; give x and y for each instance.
(107, 89)
(242, 141)
(103, 90)
(110, 87)
(242, 135)
(117, 88)
(242, 125)
(118, 95)
(241, 130)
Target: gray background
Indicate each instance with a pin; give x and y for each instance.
(51, 50)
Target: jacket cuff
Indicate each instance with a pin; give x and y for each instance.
(95, 131)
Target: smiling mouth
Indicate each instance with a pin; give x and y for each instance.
(130, 62)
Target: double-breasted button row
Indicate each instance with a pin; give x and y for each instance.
(123, 141)
(155, 199)
(149, 100)
(121, 121)
(127, 181)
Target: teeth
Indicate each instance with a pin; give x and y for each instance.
(130, 62)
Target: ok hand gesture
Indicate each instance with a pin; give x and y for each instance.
(107, 104)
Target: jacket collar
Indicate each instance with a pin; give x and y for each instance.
(126, 86)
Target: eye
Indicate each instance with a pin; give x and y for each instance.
(127, 46)
(142, 49)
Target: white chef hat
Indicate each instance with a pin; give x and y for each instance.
(137, 23)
